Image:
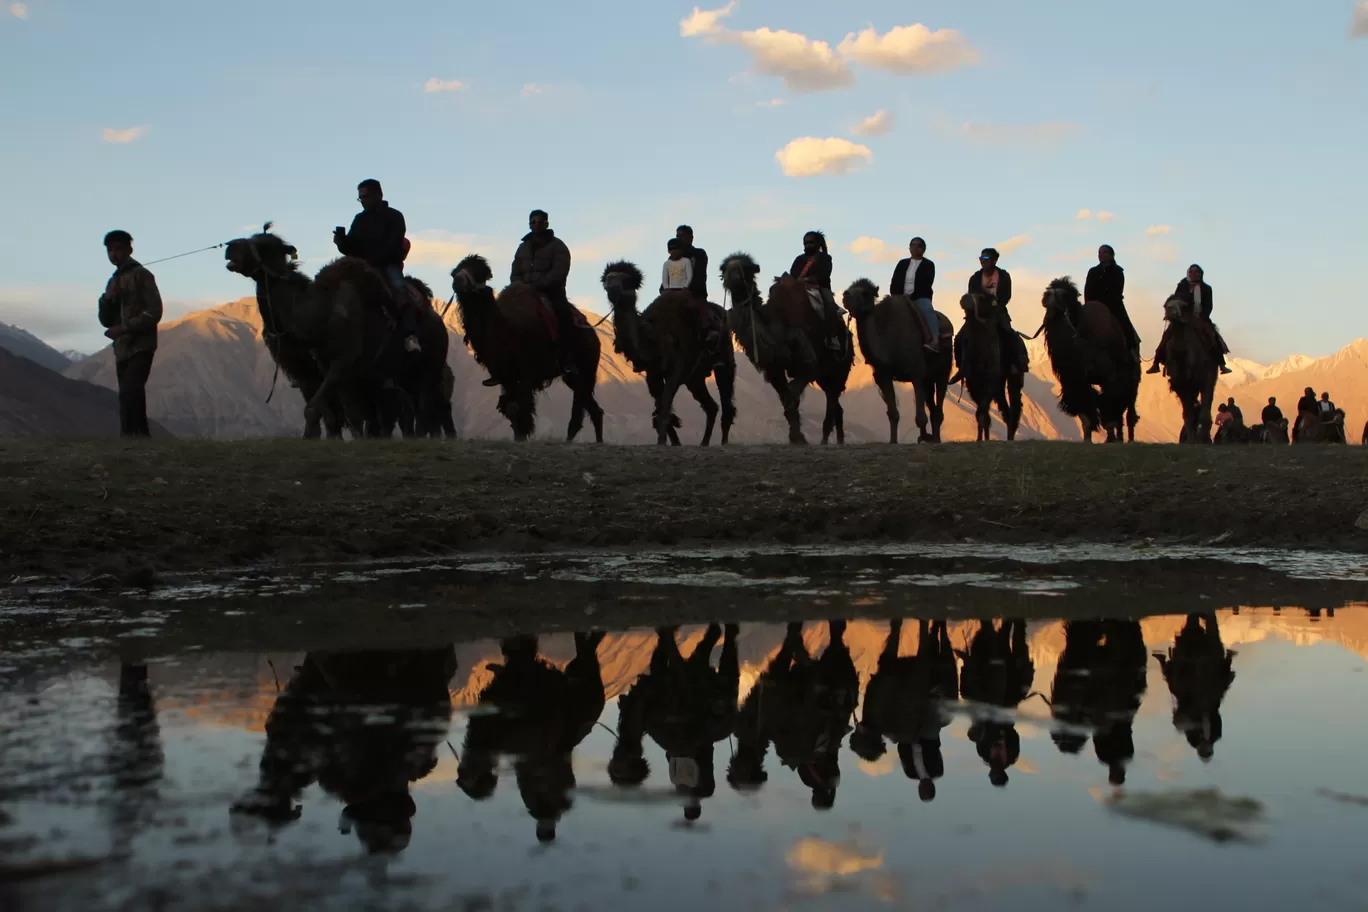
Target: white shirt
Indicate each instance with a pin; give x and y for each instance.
(910, 281)
(677, 274)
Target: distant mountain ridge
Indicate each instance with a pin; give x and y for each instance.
(25, 344)
(38, 402)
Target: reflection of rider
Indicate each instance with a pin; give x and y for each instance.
(813, 267)
(686, 707)
(1099, 683)
(997, 284)
(997, 673)
(1198, 671)
(377, 236)
(1196, 293)
(543, 261)
(1107, 284)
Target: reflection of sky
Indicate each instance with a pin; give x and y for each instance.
(1292, 726)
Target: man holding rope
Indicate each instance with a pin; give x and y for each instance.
(130, 309)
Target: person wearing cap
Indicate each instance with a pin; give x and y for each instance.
(996, 283)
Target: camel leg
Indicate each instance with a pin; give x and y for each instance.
(890, 397)
(920, 390)
(725, 376)
(834, 419)
(777, 380)
(698, 386)
(332, 380)
(939, 389)
(665, 406)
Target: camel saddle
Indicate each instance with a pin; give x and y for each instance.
(945, 340)
(548, 315)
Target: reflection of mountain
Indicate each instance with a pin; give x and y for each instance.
(212, 375)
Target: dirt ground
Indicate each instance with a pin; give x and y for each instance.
(135, 510)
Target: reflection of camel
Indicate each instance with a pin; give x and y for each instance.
(997, 674)
(803, 707)
(325, 728)
(540, 715)
(1099, 683)
(686, 706)
(1198, 671)
(904, 703)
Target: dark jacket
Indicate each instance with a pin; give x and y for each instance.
(1271, 415)
(1306, 404)
(818, 274)
(921, 286)
(544, 264)
(699, 286)
(1184, 291)
(1238, 415)
(131, 300)
(376, 236)
(1106, 284)
(1004, 295)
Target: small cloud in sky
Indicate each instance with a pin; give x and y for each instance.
(876, 124)
(910, 49)
(1084, 215)
(124, 137)
(704, 22)
(1154, 231)
(443, 248)
(1104, 216)
(531, 88)
(1013, 244)
(811, 157)
(771, 103)
(803, 64)
(18, 10)
(1358, 25)
(444, 85)
(874, 250)
(1044, 135)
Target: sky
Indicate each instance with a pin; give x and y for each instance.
(1225, 133)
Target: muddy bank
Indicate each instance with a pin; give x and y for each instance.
(139, 510)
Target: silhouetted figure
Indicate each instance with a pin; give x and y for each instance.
(1098, 685)
(136, 759)
(803, 707)
(1198, 671)
(997, 673)
(541, 714)
(686, 706)
(363, 725)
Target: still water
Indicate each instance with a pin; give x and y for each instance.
(1204, 760)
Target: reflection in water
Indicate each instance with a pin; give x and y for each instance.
(997, 675)
(137, 761)
(1098, 686)
(1198, 669)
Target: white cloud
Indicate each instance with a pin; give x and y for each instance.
(803, 64)
(910, 49)
(810, 156)
(874, 250)
(1084, 215)
(531, 88)
(1154, 231)
(1104, 216)
(1045, 135)
(876, 124)
(1013, 244)
(18, 10)
(444, 85)
(772, 103)
(704, 22)
(1358, 25)
(124, 137)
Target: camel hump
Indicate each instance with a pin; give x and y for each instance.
(359, 274)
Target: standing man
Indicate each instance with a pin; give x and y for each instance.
(1107, 283)
(543, 261)
(698, 284)
(130, 309)
(915, 278)
(377, 236)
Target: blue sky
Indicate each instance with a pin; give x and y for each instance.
(1226, 133)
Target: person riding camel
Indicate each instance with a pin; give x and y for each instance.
(1196, 293)
(813, 267)
(543, 261)
(1306, 408)
(698, 286)
(914, 278)
(377, 236)
(1106, 283)
(997, 284)
(680, 274)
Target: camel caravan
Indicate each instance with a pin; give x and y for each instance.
(367, 350)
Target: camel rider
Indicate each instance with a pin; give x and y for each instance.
(698, 283)
(377, 236)
(997, 284)
(543, 261)
(1106, 283)
(1196, 293)
(1306, 408)
(913, 278)
(813, 267)
(1272, 415)
(1325, 409)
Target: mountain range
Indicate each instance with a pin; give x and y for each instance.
(36, 401)
(212, 377)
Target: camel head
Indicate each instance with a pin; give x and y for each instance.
(738, 277)
(860, 298)
(1060, 295)
(1176, 310)
(621, 281)
(471, 273)
(261, 252)
(980, 308)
